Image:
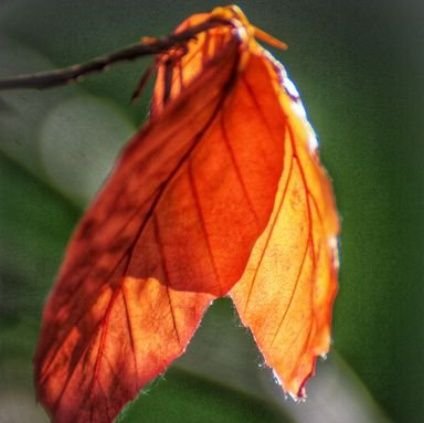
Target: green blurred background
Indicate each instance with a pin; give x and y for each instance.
(359, 66)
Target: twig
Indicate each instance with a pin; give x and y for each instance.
(73, 73)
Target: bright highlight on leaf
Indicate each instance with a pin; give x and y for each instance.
(220, 193)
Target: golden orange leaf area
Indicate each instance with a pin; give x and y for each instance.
(220, 193)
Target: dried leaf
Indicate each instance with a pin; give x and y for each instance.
(220, 193)
(287, 290)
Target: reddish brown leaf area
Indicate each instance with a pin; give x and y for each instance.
(221, 192)
(177, 68)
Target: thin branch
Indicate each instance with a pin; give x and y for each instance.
(74, 73)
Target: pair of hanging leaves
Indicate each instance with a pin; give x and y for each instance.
(220, 193)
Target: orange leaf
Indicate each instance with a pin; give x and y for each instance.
(220, 193)
(286, 293)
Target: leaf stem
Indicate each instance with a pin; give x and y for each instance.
(74, 73)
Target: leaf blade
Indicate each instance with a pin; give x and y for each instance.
(285, 295)
(157, 238)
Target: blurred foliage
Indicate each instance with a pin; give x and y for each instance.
(359, 66)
